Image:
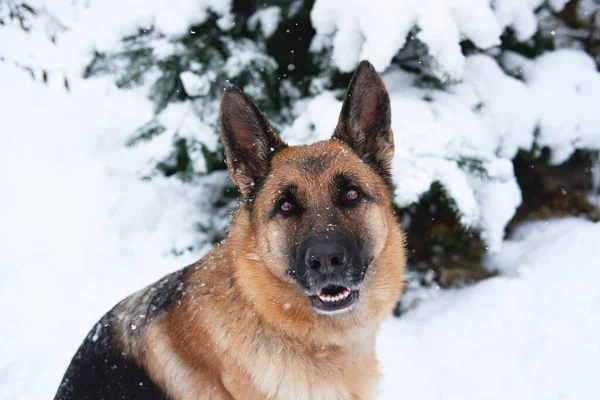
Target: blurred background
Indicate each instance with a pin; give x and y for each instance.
(113, 175)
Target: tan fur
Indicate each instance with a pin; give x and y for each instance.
(243, 330)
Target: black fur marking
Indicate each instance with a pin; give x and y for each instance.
(99, 371)
(166, 292)
(314, 164)
(102, 367)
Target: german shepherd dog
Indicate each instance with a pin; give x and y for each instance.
(288, 305)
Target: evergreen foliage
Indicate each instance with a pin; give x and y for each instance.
(276, 67)
(267, 50)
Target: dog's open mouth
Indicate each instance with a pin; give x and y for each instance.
(333, 299)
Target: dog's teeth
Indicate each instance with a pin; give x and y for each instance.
(334, 298)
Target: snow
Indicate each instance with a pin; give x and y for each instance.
(267, 19)
(197, 85)
(507, 105)
(172, 18)
(95, 26)
(80, 230)
(497, 200)
(530, 333)
(557, 5)
(566, 85)
(316, 119)
(243, 53)
(377, 29)
(182, 122)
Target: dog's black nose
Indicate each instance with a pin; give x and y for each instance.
(326, 258)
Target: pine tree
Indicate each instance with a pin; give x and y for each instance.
(269, 51)
(32, 19)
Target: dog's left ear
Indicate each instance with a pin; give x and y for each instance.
(365, 123)
(249, 140)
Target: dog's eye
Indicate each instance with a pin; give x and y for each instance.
(286, 207)
(352, 195)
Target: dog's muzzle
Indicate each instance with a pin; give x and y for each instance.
(331, 273)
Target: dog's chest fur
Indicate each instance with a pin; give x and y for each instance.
(207, 344)
(263, 368)
(282, 368)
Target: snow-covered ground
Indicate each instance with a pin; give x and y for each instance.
(531, 333)
(79, 231)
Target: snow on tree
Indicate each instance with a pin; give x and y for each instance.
(32, 22)
(472, 84)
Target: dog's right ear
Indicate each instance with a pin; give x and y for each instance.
(365, 123)
(249, 140)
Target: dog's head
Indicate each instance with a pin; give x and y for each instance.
(320, 215)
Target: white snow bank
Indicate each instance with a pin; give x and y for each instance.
(377, 29)
(171, 18)
(531, 335)
(100, 25)
(79, 229)
(566, 86)
(267, 19)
